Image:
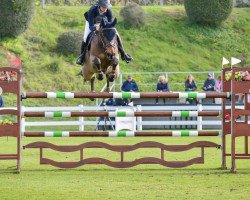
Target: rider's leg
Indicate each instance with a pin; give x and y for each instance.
(124, 55)
(80, 59)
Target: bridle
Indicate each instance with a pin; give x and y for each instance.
(107, 45)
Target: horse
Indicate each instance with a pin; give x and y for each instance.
(102, 59)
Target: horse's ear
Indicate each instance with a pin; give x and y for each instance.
(114, 22)
(103, 24)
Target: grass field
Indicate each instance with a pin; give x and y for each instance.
(206, 181)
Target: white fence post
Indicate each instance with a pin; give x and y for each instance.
(139, 119)
(43, 3)
(199, 119)
(120, 82)
(81, 119)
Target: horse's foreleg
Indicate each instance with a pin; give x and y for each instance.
(114, 64)
(97, 65)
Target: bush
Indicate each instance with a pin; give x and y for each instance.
(133, 15)
(211, 12)
(15, 16)
(70, 42)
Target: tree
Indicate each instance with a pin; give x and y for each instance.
(15, 16)
(211, 12)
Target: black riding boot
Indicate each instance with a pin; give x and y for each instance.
(124, 55)
(80, 59)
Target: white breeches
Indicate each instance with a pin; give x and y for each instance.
(86, 31)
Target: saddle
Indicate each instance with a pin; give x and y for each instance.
(89, 39)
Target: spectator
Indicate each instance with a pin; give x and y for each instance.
(1, 101)
(209, 84)
(218, 84)
(190, 86)
(1, 104)
(162, 86)
(129, 85)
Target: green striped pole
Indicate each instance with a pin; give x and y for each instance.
(124, 114)
(123, 133)
(125, 95)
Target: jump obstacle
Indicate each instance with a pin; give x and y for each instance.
(230, 126)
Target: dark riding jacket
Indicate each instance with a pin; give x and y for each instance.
(162, 87)
(208, 83)
(190, 86)
(1, 101)
(129, 86)
(94, 16)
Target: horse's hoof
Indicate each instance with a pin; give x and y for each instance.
(100, 76)
(111, 78)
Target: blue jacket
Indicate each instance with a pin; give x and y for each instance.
(1, 102)
(207, 83)
(190, 86)
(162, 87)
(93, 12)
(129, 86)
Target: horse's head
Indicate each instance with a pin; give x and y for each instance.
(108, 38)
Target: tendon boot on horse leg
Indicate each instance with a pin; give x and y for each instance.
(97, 65)
(80, 60)
(124, 55)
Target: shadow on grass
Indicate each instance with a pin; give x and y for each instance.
(167, 171)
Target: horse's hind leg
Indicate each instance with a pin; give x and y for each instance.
(97, 65)
(92, 83)
(107, 78)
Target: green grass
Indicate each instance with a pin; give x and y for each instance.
(100, 182)
(167, 42)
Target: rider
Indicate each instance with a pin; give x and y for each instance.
(99, 11)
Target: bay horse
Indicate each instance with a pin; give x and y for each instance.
(102, 59)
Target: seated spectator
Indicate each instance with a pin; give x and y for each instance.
(218, 88)
(218, 84)
(1, 104)
(190, 86)
(162, 86)
(209, 84)
(129, 85)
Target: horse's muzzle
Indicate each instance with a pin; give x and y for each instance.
(110, 56)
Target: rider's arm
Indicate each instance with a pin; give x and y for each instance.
(109, 15)
(91, 17)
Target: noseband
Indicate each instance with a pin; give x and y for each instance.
(107, 45)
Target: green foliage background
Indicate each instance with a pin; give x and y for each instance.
(211, 12)
(166, 42)
(15, 16)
